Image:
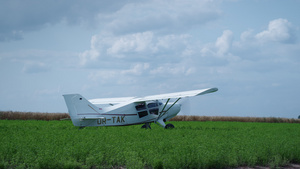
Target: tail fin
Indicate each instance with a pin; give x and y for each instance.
(81, 111)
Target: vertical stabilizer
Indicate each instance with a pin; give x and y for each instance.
(81, 110)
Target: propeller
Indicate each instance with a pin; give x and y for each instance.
(185, 106)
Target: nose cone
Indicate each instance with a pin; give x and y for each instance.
(173, 111)
(177, 108)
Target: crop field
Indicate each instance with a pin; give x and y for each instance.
(192, 144)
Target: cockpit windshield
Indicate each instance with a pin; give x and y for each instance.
(154, 104)
(151, 105)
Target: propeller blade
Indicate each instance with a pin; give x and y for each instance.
(185, 106)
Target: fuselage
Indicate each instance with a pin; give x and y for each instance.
(127, 114)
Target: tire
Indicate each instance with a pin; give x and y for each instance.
(169, 126)
(145, 126)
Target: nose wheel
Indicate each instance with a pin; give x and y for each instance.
(169, 126)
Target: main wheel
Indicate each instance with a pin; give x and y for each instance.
(169, 126)
(146, 126)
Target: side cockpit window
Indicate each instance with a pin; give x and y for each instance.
(141, 109)
(154, 111)
(153, 108)
(140, 106)
(142, 114)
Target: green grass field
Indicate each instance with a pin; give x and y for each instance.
(58, 144)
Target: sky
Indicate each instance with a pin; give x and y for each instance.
(249, 50)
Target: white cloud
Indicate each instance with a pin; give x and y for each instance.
(144, 46)
(115, 75)
(247, 35)
(220, 52)
(150, 56)
(120, 17)
(161, 16)
(269, 47)
(224, 42)
(90, 55)
(171, 70)
(139, 42)
(138, 69)
(279, 30)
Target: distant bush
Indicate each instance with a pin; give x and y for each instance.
(235, 119)
(12, 115)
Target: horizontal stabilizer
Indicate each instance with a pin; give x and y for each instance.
(91, 118)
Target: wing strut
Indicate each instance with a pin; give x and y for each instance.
(165, 105)
(164, 112)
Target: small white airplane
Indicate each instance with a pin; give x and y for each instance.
(127, 110)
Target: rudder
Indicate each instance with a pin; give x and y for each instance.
(79, 109)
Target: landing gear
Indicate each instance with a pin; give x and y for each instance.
(169, 126)
(81, 127)
(146, 126)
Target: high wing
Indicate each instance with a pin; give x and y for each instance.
(177, 95)
(119, 100)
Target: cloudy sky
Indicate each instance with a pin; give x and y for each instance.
(250, 50)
